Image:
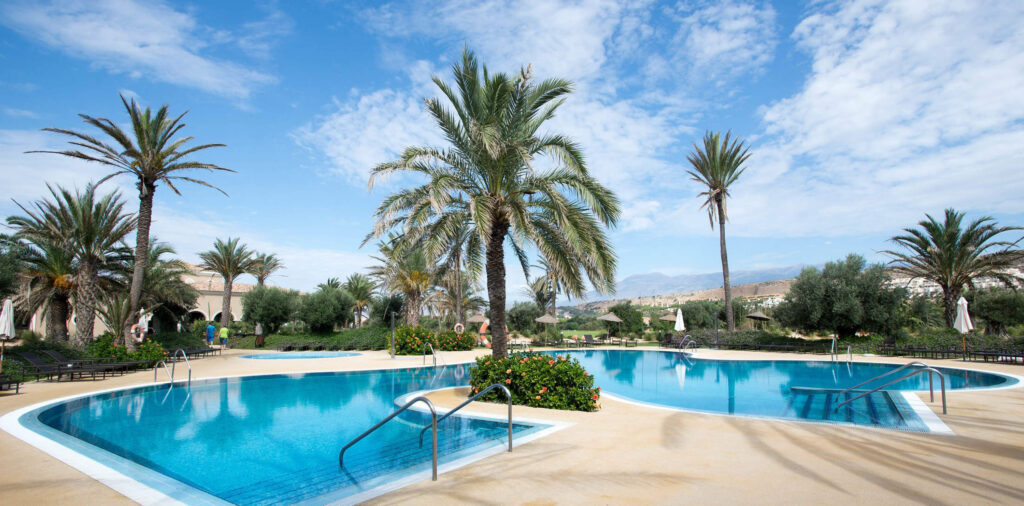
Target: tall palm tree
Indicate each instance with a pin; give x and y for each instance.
(48, 285)
(361, 289)
(151, 155)
(491, 122)
(91, 228)
(716, 166)
(229, 259)
(265, 264)
(330, 284)
(406, 271)
(164, 284)
(953, 256)
(449, 294)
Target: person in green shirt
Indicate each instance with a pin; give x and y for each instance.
(224, 337)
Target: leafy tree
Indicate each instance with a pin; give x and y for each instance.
(717, 166)
(263, 265)
(151, 155)
(522, 315)
(270, 306)
(324, 309)
(632, 319)
(90, 228)
(953, 257)
(361, 289)
(229, 259)
(844, 297)
(12, 263)
(999, 309)
(383, 307)
(488, 172)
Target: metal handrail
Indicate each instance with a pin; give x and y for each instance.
(433, 424)
(433, 354)
(684, 342)
(880, 376)
(169, 373)
(849, 353)
(185, 356)
(929, 370)
(691, 344)
(508, 395)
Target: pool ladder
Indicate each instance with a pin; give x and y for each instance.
(924, 368)
(835, 352)
(174, 362)
(433, 424)
(433, 354)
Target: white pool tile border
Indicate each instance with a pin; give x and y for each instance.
(931, 420)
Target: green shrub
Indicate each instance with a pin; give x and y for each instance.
(149, 351)
(411, 340)
(15, 370)
(270, 306)
(171, 341)
(105, 347)
(198, 328)
(537, 380)
(450, 341)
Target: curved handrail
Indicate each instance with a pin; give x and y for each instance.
(185, 356)
(433, 424)
(170, 375)
(508, 395)
(684, 342)
(433, 354)
(929, 370)
(880, 376)
(692, 344)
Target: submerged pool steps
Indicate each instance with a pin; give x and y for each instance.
(878, 409)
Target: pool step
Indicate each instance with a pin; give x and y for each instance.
(875, 409)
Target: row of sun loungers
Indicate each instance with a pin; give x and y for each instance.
(57, 365)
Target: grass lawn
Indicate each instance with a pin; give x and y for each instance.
(581, 333)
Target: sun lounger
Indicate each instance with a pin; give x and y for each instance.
(43, 368)
(97, 363)
(6, 382)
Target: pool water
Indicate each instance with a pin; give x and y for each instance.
(301, 354)
(275, 439)
(805, 390)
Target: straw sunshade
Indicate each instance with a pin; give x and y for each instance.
(477, 318)
(610, 317)
(757, 315)
(546, 319)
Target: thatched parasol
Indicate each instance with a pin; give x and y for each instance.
(477, 318)
(757, 315)
(546, 319)
(610, 317)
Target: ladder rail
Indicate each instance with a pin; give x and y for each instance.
(175, 361)
(686, 341)
(887, 373)
(929, 370)
(170, 375)
(508, 395)
(433, 354)
(407, 405)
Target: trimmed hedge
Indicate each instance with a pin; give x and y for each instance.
(411, 341)
(537, 380)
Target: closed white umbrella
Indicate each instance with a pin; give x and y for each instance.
(680, 324)
(963, 318)
(6, 327)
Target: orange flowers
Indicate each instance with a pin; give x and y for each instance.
(551, 362)
(538, 397)
(508, 381)
(508, 371)
(594, 397)
(545, 389)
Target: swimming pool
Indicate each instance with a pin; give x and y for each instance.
(268, 439)
(788, 389)
(300, 354)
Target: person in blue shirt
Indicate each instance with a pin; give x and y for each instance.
(210, 331)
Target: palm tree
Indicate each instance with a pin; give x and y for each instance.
(230, 260)
(488, 174)
(361, 289)
(330, 284)
(91, 228)
(405, 271)
(953, 256)
(165, 286)
(449, 294)
(265, 264)
(151, 155)
(717, 166)
(48, 285)
(540, 291)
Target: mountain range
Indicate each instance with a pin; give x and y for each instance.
(656, 283)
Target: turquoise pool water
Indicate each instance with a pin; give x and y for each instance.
(272, 439)
(779, 389)
(300, 354)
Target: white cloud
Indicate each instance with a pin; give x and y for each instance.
(19, 113)
(140, 39)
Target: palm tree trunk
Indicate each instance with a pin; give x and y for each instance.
(146, 190)
(225, 311)
(458, 288)
(412, 309)
(730, 319)
(496, 288)
(85, 307)
(950, 296)
(57, 319)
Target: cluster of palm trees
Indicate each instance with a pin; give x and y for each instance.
(232, 259)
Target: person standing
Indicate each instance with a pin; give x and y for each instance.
(259, 334)
(223, 337)
(210, 330)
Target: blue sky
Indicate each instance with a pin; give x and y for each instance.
(862, 116)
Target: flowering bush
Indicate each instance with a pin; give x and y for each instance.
(537, 380)
(450, 341)
(105, 347)
(149, 351)
(410, 340)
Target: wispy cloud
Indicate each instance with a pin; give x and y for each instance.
(141, 39)
(19, 113)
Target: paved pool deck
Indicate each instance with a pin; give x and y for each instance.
(628, 453)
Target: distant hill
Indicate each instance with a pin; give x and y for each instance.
(656, 283)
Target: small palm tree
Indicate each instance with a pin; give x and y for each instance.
(330, 284)
(716, 166)
(48, 285)
(151, 155)
(164, 284)
(91, 228)
(229, 259)
(488, 173)
(264, 265)
(540, 291)
(361, 289)
(953, 256)
(404, 271)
